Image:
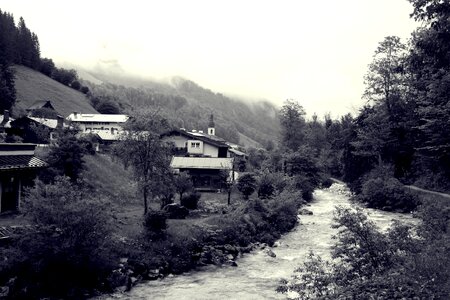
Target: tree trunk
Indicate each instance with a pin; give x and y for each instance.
(229, 196)
(145, 201)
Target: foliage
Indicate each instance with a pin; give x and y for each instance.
(68, 251)
(65, 157)
(142, 148)
(7, 88)
(183, 183)
(369, 264)
(247, 184)
(266, 186)
(190, 201)
(155, 221)
(292, 122)
(388, 194)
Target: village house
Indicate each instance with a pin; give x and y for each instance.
(37, 130)
(204, 156)
(107, 127)
(5, 121)
(18, 168)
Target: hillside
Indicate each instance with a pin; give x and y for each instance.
(32, 86)
(188, 105)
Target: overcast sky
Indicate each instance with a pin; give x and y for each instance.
(315, 52)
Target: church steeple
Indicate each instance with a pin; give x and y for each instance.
(211, 126)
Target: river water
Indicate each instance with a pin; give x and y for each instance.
(258, 274)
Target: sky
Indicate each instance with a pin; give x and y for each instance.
(315, 52)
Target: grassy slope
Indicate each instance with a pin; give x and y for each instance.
(33, 86)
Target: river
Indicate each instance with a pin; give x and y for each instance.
(258, 274)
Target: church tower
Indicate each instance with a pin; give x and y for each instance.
(211, 127)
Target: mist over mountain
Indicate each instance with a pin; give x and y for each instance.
(186, 104)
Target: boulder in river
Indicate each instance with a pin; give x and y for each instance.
(270, 253)
(305, 211)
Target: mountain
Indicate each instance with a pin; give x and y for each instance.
(32, 86)
(188, 105)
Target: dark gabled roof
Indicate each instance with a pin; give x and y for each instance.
(14, 162)
(209, 139)
(41, 104)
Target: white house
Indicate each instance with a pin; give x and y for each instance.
(204, 156)
(107, 126)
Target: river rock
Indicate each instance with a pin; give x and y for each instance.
(305, 211)
(276, 244)
(270, 253)
(153, 274)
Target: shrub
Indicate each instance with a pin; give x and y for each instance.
(247, 184)
(175, 211)
(69, 249)
(155, 221)
(266, 186)
(388, 194)
(190, 201)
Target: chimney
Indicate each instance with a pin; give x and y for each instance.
(60, 122)
(75, 114)
(5, 117)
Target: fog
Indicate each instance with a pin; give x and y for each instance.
(316, 52)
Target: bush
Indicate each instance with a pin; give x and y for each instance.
(175, 211)
(190, 201)
(247, 184)
(368, 264)
(155, 221)
(266, 186)
(69, 248)
(387, 194)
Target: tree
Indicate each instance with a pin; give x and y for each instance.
(386, 79)
(142, 148)
(292, 122)
(108, 107)
(65, 157)
(7, 88)
(47, 66)
(183, 183)
(247, 184)
(430, 65)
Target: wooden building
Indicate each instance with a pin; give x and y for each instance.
(18, 168)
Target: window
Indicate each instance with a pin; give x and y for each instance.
(195, 144)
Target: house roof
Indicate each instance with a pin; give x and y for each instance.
(41, 104)
(51, 123)
(221, 163)
(209, 139)
(77, 117)
(237, 152)
(14, 162)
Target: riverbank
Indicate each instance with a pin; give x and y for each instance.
(258, 273)
(219, 240)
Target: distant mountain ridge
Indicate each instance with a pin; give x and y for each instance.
(189, 105)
